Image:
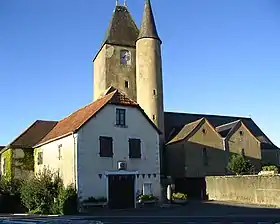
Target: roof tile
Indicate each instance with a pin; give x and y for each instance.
(75, 120)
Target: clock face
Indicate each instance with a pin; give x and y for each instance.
(125, 57)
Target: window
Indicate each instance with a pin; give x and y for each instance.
(242, 152)
(120, 117)
(40, 158)
(205, 157)
(59, 152)
(4, 166)
(147, 189)
(154, 117)
(155, 92)
(106, 146)
(241, 133)
(204, 131)
(125, 57)
(134, 148)
(126, 84)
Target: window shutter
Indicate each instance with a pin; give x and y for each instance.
(106, 146)
(134, 148)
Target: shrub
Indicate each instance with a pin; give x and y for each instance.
(10, 196)
(91, 199)
(270, 168)
(38, 193)
(146, 197)
(67, 201)
(11, 187)
(179, 195)
(239, 165)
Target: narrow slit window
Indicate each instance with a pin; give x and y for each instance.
(154, 92)
(126, 84)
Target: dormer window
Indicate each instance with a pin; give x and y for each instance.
(125, 57)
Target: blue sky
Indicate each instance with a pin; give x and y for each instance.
(219, 57)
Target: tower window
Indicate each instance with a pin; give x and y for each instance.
(241, 133)
(126, 84)
(154, 92)
(125, 57)
(154, 117)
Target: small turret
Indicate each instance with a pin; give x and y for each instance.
(149, 70)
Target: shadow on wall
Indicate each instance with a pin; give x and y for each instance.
(253, 189)
(188, 163)
(188, 159)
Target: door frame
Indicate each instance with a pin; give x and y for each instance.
(121, 172)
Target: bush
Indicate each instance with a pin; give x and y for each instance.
(146, 197)
(270, 168)
(11, 187)
(239, 165)
(10, 196)
(95, 200)
(179, 196)
(38, 193)
(67, 201)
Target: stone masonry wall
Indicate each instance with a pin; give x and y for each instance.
(245, 189)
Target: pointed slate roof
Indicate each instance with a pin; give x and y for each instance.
(224, 129)
(32, 135)
(175, 121)
(185, 131)
(148, 27)
(77, 119)
(122, 29)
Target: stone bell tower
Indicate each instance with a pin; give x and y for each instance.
(115, 63)
(149, 69)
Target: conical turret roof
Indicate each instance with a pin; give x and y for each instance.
(148, 27)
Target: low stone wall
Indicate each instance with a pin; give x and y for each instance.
(253, 189)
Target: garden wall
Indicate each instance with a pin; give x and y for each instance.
(252, 189)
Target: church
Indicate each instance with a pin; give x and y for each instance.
(124, 141)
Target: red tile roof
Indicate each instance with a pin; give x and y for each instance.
(77, 119)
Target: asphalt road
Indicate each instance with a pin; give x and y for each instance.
(153, 219)
(190, 220)
(193, 213)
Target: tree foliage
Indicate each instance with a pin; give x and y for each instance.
(45, 194)
(38, 192)
(239, 165)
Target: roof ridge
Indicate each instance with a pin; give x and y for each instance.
(209, 115)
(198, 120)
(89, 104)
(232, 122)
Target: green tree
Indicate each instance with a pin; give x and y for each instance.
(239, 165)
